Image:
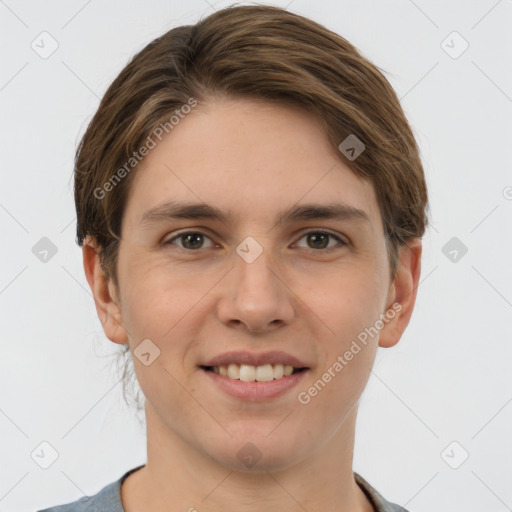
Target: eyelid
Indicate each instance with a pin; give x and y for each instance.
(341, 241)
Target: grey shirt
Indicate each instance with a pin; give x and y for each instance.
(109, 499)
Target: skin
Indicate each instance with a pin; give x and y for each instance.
(251, 159)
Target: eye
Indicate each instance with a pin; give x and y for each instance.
(194, 240)
(320, 239)
(191, 240)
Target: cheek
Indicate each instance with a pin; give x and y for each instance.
(347, 357)
(166, 307)
(350, 307)
(155, 296)
(350, 301)
(158, 307)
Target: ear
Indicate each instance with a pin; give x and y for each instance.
(402, 293)
(103, 290)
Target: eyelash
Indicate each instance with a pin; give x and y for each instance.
(342, 243)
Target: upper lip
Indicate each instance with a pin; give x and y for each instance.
(255, 359)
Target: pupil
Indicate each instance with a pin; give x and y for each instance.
(316, 236)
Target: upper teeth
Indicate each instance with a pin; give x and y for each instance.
(249, 373)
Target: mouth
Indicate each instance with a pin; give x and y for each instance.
(254, 376)
(254, 383)
(251, 373)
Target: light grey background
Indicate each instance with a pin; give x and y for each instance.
(449, 377)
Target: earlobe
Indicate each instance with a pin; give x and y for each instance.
(402, 296)
(103, 290)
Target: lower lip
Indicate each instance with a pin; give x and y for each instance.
(256, 391)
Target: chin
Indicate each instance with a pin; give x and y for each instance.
(259, 453)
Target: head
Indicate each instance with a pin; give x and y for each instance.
(248, 112)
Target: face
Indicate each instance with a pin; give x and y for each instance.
(266, 278)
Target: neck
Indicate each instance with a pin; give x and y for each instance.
(179, 477)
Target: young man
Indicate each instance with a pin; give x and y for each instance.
(251, 202)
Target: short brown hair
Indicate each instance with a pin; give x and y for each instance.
(256, 52)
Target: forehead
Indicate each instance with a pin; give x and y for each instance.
(249, 158)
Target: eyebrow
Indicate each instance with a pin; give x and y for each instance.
(172, 210)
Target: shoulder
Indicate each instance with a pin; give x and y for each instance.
(378, 501)
(105, 500)
(108, 499)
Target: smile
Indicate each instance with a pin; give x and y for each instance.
(252, 389)
(250, 373)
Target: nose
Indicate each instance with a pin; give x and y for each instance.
(256, 296)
